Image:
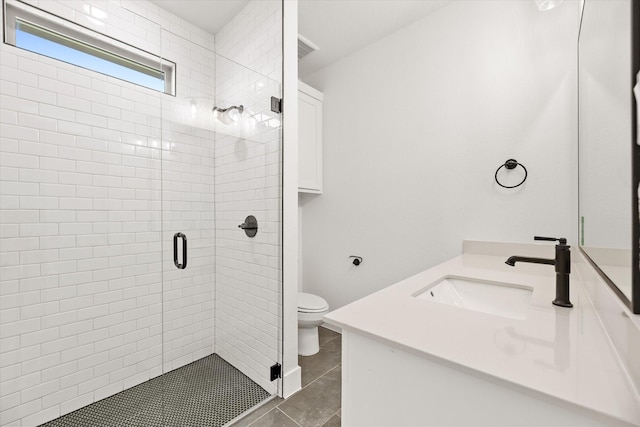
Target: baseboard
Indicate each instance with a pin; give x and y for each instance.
(292, 382)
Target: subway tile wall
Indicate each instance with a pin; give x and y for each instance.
(93, 184)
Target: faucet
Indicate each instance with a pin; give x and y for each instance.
(562, 263)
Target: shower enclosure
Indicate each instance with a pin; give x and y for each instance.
(124, 276)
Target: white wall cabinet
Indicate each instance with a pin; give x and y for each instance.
(309, 139)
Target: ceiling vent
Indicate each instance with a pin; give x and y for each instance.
(305, 47)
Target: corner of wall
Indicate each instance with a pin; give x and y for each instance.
(292, 380)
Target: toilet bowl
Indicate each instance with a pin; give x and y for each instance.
(311, 309)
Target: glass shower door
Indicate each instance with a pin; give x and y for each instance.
(80, 236)
(248, 182)
(221, 288)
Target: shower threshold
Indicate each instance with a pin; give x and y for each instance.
(207, 392)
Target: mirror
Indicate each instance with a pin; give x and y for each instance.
(608, 153)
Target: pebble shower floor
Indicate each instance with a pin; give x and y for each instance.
(207, 392)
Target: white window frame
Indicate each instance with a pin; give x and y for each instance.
(62, 31)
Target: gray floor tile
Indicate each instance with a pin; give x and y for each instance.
(334, 421)
(274, 418)
(327, 358)
(257, 413)
(315, 404)
(326, 335)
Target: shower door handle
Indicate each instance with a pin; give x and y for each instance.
(184, 250)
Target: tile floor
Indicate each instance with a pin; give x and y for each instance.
(318, 403)
(207, 392)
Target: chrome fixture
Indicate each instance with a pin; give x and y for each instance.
(562, 262)
(229, 115)
(547, 4)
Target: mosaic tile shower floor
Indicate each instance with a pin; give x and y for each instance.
(207, 392)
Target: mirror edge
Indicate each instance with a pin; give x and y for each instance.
(635, 165)
(633, 303)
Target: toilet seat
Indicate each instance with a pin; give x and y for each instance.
(309, 303)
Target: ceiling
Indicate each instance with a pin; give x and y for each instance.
(341, 27)
(337, 27)
(210, 15)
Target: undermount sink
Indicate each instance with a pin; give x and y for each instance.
(497, 298)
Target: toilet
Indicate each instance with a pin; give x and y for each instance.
(311, 309)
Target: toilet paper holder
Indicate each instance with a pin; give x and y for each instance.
(357, 260)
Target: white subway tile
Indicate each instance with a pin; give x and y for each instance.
(10, 400)
(59, 139)
(40, 363)
(36, 121)
(91, 119)
(76, 378)
(38, 337)
(16, 188)
(60, 293)
(91, 143)
(54, 347)
(10, 202)
(38, 283)
(54, 399)
(8, 173)
(58, 319)
(74, 128)
(73, 103)
(91, 96)
(36, 257)
(59, 190)
(73, 178)
(56, 242)
(9, 117)
(93, 384)
(57, 164)
(42, 229)
(74, 153)
(37, 175)
(75, 278)
(56, 86)
(16, 104)
(74, 203)
(34, 94)
(56, 112)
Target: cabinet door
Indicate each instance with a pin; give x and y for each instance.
(310, 141)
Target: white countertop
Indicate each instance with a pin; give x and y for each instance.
(560, 352)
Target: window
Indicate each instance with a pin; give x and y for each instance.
(37, 31)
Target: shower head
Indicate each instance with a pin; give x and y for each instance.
(228, 115)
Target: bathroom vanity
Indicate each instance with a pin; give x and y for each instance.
(418, 357)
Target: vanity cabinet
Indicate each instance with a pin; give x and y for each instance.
(309, 139)
(405, 389)
(422, 362)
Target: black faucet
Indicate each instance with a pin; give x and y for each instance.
(562, 263)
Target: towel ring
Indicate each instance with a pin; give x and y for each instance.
(511, 164)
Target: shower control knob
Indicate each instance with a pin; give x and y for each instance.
(250, 226)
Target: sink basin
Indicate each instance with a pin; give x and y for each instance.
(497, 298)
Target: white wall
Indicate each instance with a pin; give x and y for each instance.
(415, 126)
